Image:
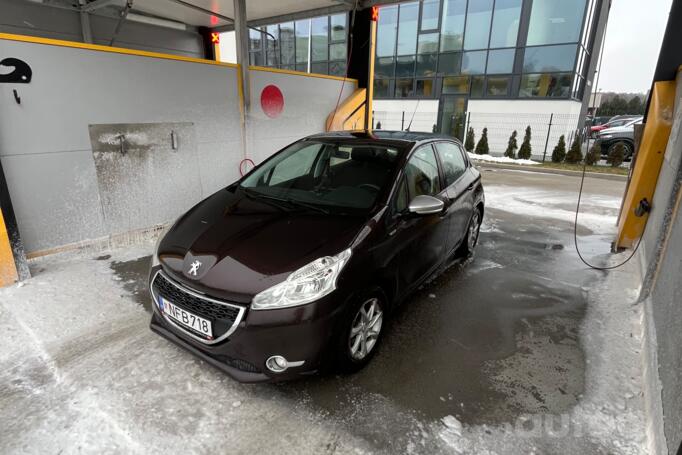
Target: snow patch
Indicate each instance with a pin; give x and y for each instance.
(499, 159)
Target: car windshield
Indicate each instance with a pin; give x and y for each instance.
(324, 175)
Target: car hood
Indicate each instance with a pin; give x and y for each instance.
(240, 246)
(617, 130)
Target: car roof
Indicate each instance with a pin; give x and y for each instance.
(383, 136)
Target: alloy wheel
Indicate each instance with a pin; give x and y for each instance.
(474, 226)
(364, 332)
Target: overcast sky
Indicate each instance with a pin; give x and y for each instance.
(633, 39)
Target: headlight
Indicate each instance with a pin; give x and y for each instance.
(305, 285)
(155, 255)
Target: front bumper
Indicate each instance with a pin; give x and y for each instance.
(298, 334)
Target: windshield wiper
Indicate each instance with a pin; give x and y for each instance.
(307, 205)
(289, 201)
(263, 197)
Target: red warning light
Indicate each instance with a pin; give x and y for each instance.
(215, 38)
(375, 13)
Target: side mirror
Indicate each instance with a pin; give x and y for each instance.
(426, 205)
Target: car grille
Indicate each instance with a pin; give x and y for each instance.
(239, 364)
(222, 315)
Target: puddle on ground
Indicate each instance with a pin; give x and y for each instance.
(133, 275)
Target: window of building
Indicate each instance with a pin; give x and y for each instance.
(383, 67)
(545, 85)
(255, 47)
(430, 14)
(425, 88)
(381, 88)
(473, 62)
(428, 42)
(302, 41)
(404, 88)
(505, 23)
(477, 29)
(452, 28)
(287, 43)
(404, 66)
(555, 21)
(254, 40)
(337, 68)
(456, 85)
(549, 58)
(319, 38)
(319, 68)
(501, 61)
(272, 49)
(337, 51)
(427, 64)
(449, 63)
(387, 28)
(421, 173)
(407, 28)
(338, 28)
(498, 86)
(453, 162)
(477, 83)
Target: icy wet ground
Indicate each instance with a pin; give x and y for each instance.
(521, 350)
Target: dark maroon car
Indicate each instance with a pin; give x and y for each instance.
(295, 267)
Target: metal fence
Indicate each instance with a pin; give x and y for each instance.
(545, 128)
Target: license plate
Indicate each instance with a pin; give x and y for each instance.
(187, 319)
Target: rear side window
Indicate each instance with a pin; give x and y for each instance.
(421, 173)
(453, 161)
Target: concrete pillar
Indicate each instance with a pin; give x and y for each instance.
(241, 34)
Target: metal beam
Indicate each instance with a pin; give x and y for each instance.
(242, 41)
(97, 4)
(124, 14)
(85, 24)
(203, 10)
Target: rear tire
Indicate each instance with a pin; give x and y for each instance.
(361, 331)
(627, 150)
(470, 240)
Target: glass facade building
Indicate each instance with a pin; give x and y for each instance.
(484, 48)
(313, 45)
(429, 48)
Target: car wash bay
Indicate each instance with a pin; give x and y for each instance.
(509, 351)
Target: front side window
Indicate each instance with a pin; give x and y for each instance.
(325, 174)
(453, 161)
(421, 173)
(401, 198)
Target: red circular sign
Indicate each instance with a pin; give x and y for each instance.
(272, 101)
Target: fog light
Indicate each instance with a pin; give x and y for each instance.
(277, 364)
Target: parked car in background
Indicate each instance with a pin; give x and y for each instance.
(624, 134)
(298, 265)
(613, 122)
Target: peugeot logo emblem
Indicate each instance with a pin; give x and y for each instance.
(194, 268)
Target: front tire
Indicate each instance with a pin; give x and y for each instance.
(361, 332)
(470, 241)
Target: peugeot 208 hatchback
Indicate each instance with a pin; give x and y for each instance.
(296, 266)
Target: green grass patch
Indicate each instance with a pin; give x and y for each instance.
(579, 168)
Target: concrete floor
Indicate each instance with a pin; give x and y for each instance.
(488, 345)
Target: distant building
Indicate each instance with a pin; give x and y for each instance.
(441, 63)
